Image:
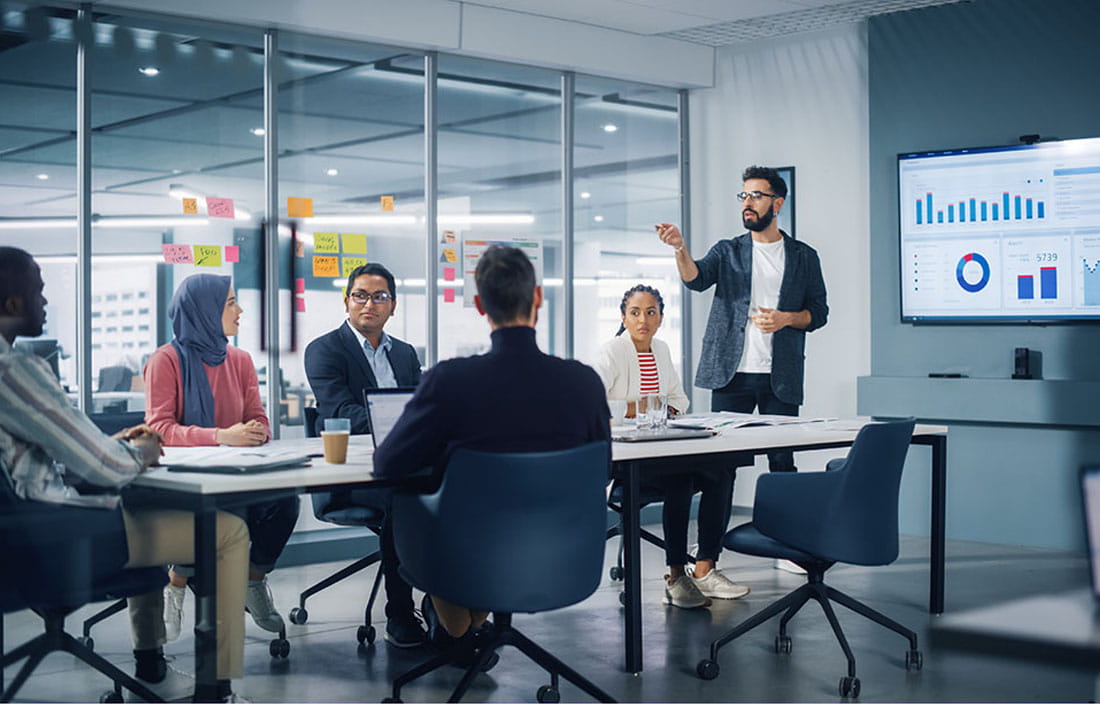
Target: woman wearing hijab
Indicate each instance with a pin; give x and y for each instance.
(199, 390)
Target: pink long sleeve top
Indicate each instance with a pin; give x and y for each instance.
(236, 396)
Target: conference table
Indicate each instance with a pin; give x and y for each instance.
(631, 462)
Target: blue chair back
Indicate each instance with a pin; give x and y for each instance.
(111, 423)
(856, 519)
(508, 532)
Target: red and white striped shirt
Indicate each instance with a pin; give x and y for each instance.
(647, 366)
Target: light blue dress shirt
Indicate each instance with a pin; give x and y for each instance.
(378, 359)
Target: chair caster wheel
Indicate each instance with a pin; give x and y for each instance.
(111, 697)
(849, 687)
(707, 669)
(549, 694)
(616, 574)
(279, 648)
(298, 615)
(622, 598)
(88, 642)
(365, 634)
(914, 660)
(783, 644)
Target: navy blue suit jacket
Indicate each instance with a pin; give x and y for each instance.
(338, 373)
(515, 398)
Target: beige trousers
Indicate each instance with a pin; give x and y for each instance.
(161, 537)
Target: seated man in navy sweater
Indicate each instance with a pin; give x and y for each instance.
(515, 398)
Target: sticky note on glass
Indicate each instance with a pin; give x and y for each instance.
(208, 255)
(232, 254)
(299, 305)
(448, 295)
(448, 273)
(219, 207)
(177, 253)
(299, 248)
(299, 285)
(190, 206)
(326, 243)
(350, 264)
(387, 203)
(354, 244)
(450, 256)
(299, 207)
(326, 266)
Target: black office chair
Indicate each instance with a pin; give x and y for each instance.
(49, 560)
(338, 507)
(848, 513)
(541, 513)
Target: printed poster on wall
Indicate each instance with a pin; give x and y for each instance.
(471, 255)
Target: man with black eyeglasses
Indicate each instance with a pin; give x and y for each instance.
(769, 293)
(340, 365)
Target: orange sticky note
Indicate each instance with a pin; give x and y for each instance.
(219, 207)
(387, 203)
(450, 256)
(190, 206)
(326, 267)
(177, 253)
(299, 305)
(448, 295)
(448, 273)
(232, 254)
(299, 207)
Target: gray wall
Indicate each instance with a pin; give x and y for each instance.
(973, 74)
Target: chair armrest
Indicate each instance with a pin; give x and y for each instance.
(835, 464)
(795, 507)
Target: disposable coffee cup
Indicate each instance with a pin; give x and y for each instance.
(335, 437)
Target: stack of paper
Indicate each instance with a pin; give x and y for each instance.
(729, 419)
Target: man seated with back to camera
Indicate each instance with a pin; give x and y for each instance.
(515, 398)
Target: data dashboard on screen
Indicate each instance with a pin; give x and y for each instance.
(1001, 234)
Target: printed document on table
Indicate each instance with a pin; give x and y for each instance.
(235, 457)
(729, 419)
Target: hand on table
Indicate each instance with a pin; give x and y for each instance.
(247, 434)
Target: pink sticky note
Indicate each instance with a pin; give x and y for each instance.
(177, 253)
(299, 285)
(219, 207)
(448, 295)
(448, 273)
(300, 305)
(232, 253)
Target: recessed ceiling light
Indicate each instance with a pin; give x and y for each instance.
(149, 71)
(598, 218)
(610, 128)
(42, 177)
(332, 172)
(258, 131)
(585, 194)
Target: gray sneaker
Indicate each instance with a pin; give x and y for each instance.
(260, 604)
(173, 610)
(716, 585)
(683, 593)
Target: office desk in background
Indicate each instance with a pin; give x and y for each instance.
(630, 465)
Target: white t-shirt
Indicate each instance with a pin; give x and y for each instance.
(768, 262)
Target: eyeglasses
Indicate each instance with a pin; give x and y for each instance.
(362, 297)
(756, 196)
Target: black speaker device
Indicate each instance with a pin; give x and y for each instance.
(1022, 367)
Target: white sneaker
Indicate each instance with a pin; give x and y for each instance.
(259, 602)
(683, 593)
(788, 566)
(716, 585)
(173, 610)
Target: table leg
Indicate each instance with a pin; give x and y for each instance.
(206, 610)
(632, 578)
(939, 521)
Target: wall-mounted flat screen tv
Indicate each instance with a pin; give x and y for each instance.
(1001, 234)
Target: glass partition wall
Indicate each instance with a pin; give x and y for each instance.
(178, 185)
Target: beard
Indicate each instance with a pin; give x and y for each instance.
(761, 222)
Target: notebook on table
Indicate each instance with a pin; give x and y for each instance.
(384, 407)
(635, 435)
(231, 460)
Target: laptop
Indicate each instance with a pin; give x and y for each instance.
(635, 435)
(384, 407)
(1090, 499)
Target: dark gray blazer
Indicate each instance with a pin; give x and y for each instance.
(338, 373)
(729, 265)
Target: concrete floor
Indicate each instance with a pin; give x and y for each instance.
(327, 665)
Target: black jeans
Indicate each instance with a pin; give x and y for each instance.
(716, 484)
(748, 392)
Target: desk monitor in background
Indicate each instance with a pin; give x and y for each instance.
(384, 407)
(1090, 495)
(47, 349)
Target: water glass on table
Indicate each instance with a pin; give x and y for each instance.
(335, 437)
(656, 411)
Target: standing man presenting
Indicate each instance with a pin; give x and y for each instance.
(769, 294)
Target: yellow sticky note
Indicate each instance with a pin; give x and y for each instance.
(208, 255)
(190, 206)
(326, 266)
(354, 244)
(450, 256)
(299, 207)
(387, 203)
(350, 263)
(326, 243)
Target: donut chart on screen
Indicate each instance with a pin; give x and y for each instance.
(980, 283)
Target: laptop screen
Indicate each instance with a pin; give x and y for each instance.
(1090, 492)
(384, 407)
